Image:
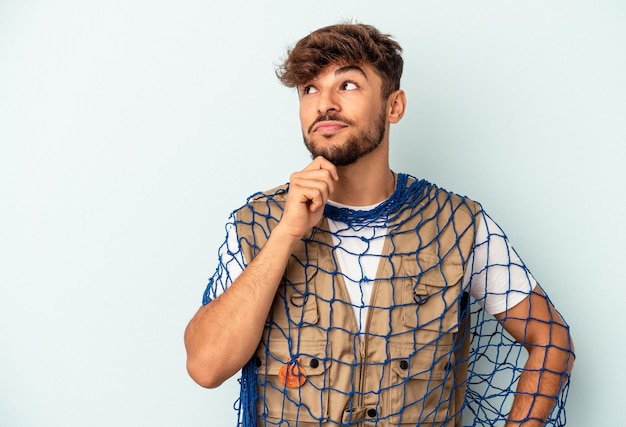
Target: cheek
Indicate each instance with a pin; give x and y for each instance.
(306, 116)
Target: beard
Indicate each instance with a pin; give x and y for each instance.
(354, 147)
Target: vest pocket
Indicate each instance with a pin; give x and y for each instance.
(295, 304)
(306, 401)
(430, 293)
(419, 386)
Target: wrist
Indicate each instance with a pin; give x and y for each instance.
(285, 235)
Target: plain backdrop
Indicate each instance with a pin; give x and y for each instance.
(129, 130)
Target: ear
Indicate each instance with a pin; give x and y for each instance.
(396, 104)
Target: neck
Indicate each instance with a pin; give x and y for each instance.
(366, 182)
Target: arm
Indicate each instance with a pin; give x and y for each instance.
(535, 323)
(223, 335)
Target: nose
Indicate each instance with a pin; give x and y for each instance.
(327, 102)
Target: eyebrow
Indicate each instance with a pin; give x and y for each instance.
(349, 68)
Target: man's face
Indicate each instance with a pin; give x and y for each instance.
(343, 114)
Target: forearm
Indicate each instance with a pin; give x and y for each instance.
(224, 334)
(544, 375)
(535, 324)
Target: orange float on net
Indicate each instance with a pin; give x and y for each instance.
(292, 374)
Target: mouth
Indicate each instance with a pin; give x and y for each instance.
(329, 126)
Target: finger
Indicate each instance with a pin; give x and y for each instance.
(318, 178)
(321, 163)
(311, 191)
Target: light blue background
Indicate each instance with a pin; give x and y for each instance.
(130, 129)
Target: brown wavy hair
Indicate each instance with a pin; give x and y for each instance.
(343, 44)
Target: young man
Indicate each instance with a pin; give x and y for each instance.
(344, 294)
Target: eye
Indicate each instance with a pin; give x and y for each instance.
(306, 90)
(349, 86)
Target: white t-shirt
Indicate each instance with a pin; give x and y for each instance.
(494, 275)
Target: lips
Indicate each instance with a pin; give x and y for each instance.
(329, 123)
(329, 126)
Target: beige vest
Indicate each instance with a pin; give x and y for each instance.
(405, 368)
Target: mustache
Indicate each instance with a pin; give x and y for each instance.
(330, 118)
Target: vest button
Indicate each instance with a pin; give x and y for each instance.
(420, 299)
(404, 364)
(371, 412)
(314, 363)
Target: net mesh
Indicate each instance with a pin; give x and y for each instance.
(381, 318)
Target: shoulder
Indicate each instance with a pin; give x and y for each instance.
(255, 219)
(441, 199)
(269, 204)
(277, 194)
(273, 196)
